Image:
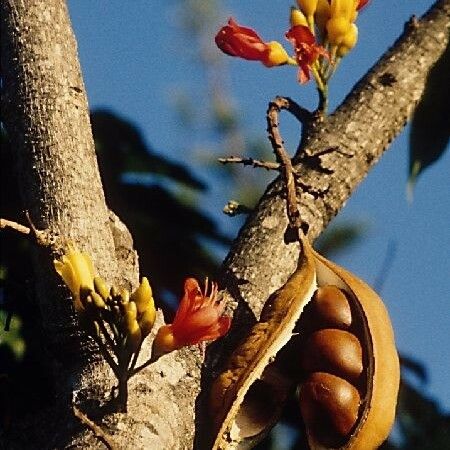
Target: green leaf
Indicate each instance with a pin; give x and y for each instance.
(430, 128)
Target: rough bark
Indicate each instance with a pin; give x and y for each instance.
(47, 117)
(334, 157)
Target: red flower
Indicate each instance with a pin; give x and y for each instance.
(361, 4)
(198, 318)
(306, 49)
(244, 42)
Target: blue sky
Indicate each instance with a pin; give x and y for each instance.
(134, 58)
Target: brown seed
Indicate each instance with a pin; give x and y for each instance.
(334, 351)
(329, 407)
(330, 308)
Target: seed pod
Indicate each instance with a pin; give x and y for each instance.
(246, 399)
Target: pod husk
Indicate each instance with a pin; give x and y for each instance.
(237, 422)
(248, 396)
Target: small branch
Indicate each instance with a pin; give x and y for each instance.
(40, 237)
(303, 115)
(287, 170)
(98, 432)
(5, 224)
(149, 361)
(268, 165)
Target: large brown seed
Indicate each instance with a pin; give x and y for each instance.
(330, 308)
(329, 406)
(334, 351)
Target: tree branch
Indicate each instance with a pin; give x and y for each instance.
(334, 156)
(47, 117)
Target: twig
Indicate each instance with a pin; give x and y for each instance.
(41, 237)
(98, 432)
(301, 114)
(149, 361)
(287, 170)
(250, 162)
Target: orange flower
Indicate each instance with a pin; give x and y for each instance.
(306, 50)
(198, 318)
(361, 4)
(244, 42)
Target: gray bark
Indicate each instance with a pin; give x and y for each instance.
(46, 114)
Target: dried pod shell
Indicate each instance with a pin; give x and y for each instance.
(247, 397)
(248, 386)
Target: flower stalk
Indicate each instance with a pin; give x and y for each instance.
(118, 321)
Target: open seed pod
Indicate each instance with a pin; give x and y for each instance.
(248, 396)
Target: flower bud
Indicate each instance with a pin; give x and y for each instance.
(297, 18)
(322, 15)
(97, 300)
(124, 295)
(337, 28)
(164, 341)
(308, 7)
(349, 41)
(133, 332)
(146, 321)
(143, 296)
(276, 56)
(101, 287)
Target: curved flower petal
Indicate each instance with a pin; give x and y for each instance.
(198, 319)
(306, 49)
(76, 269)
(362, 4)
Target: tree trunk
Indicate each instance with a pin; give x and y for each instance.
(46, 115)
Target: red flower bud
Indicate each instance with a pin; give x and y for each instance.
(245, 43)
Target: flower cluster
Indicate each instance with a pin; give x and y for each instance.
(322, 31)
(119, 321)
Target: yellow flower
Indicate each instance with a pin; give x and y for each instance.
(322, 15)
(77, 270)
(342, 15)
(297, 18)
(308, 7)
(349, 41)
(146, 312)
